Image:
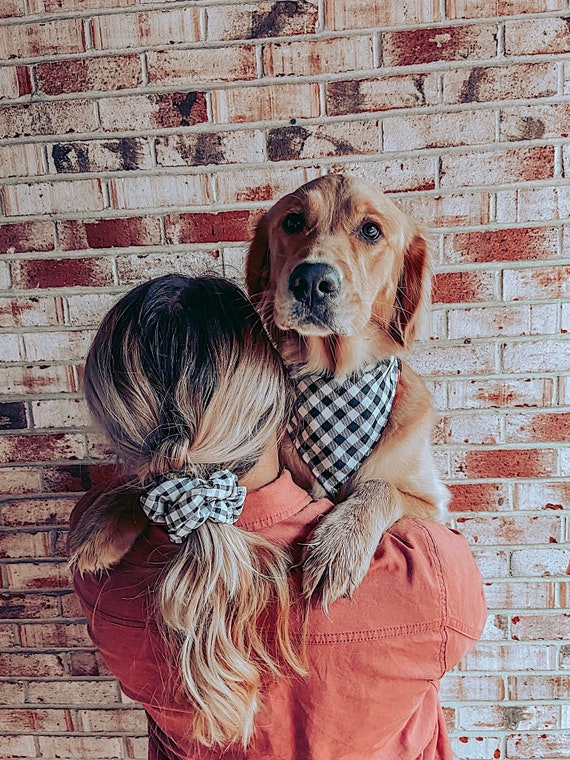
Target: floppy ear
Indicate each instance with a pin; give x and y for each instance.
(413, 292)
(257, 260)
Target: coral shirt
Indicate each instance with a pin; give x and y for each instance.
(375, 663)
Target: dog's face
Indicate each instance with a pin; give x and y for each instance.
(338, 258)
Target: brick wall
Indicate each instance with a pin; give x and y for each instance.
(139, 138)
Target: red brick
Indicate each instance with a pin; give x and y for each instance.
(475, 394)
(488, 83)
(209, 228)
(109, 233)
(204, 148)
(36, 512)
(535, 687)
(18, 545)
(520, 595)
(551, 745)
(454, 210)
(533, 427)
(27, 237)
(76, 477)
(15, 606)
(334, 139)
(272, 102)
(160, 27)
(33, 721)
(81, 747)
(545, 36)
(505, 463)
(33, 448)
(129, 720)
(463, 287)
(429, 359)
(472, 688)
(62, 273)
(535, 122)
(155, 111)
(479, 497)
(139, 267)
(55, 37)
(313, 57)
(244, 186)
(438, 130)
(518, 244)
(452, 43)
(19, 746)
(159, 190)
(37, 379)
(38, 576)
(386, 93)
(53, 197)
(396, 175)
(21, 161)
(81, 74)
(539, 627)
(355, 14)
(52, 118)
(542, 282)
(468, 428)
(516, 529)
(261, 19)
(460, 9)
(124, 154)
(51, 635)
(540, 495)
(226, 64)
(497, 167)
(12, 8)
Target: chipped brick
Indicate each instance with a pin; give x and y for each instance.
(416, 46)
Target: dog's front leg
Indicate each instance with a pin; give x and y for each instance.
(340, 549)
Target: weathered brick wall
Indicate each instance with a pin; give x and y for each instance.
(140, 138)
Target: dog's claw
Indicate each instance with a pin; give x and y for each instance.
(335, 563)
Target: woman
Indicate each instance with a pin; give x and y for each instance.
(193, 398)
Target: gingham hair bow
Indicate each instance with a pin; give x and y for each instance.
(183, 503)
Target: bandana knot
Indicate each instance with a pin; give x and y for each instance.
(184, 503)
(336, 423)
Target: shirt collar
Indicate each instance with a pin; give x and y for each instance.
(272, 503)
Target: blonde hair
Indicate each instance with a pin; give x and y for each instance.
(183, 379)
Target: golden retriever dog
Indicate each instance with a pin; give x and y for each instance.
(340, 277)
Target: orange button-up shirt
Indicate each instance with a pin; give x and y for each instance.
(375, 663)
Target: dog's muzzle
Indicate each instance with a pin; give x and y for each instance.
(314, 285)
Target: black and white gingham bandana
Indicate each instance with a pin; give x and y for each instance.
(336, 424)
(183, 504)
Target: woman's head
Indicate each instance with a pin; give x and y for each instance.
(184, 381)
(182, 378)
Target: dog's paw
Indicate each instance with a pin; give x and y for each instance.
(336, 559)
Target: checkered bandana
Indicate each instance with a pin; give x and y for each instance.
(336, 424)
(183, 504)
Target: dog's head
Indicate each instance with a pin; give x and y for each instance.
(337, 262)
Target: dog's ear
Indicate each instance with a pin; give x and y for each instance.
(257, 260)
(413, 292)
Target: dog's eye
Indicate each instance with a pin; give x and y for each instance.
(370, 231)
(293, 223)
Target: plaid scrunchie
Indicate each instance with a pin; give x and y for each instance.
(183, 503)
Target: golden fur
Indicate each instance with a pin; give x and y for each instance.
(382, 287)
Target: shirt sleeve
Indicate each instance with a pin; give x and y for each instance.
(463, 601)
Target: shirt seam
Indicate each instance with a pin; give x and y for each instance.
(444, 608)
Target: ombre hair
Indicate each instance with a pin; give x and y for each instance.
(183, 379)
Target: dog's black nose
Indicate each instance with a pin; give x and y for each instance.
(311, 283)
